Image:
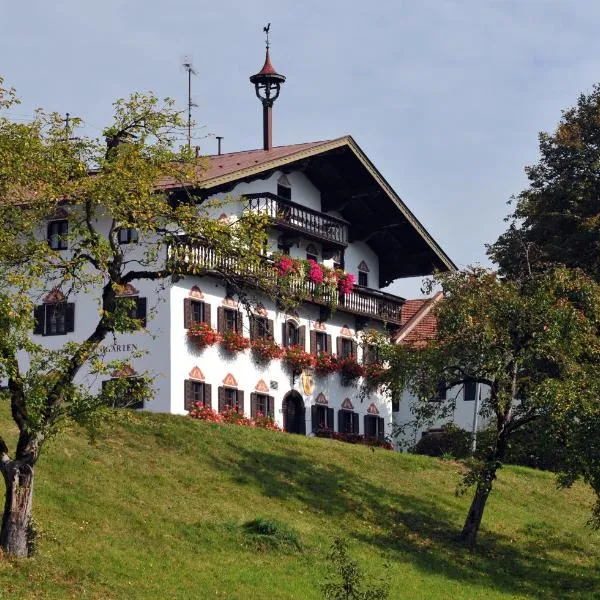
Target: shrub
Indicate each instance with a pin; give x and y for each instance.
(232, 415)
(269, 533)
(265, 422)
(350, 369)
(448, 440)
(204, 413)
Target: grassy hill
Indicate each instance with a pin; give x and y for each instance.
(156, 508)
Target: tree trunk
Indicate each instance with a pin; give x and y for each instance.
(473, 520)
(16, 519)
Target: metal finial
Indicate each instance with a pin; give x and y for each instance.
(266, 30)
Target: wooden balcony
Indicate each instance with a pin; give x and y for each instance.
(373, 304)
(290, 216)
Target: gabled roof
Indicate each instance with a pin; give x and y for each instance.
(351, 185)
(418, 322)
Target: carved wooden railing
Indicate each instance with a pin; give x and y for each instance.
(201, 259)
(292, 216)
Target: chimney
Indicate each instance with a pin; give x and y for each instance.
(267, 83)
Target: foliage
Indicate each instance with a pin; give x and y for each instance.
(265, 349)
(448, 440)
(297, 359)
(556, 220)
(532, 342)
(134, 179)
(345, 282)
(325, 363)
(350, 582)
(202, 335)
(374, 373)
(233, 342)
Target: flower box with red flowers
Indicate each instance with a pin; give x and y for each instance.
(374, 372)
(297, 359)
(350, 369)
(202, 335)
(233, 342)
(266, 349)
(204, 413)
(325, 363)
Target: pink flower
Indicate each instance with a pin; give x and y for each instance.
(315, 273)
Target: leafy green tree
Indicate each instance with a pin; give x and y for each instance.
(532, 342)
(137, 180)
(556, 220)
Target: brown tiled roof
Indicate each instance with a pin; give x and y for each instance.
(418, 321)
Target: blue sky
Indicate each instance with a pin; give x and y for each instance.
(446, 97)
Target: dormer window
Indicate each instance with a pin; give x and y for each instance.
(284, 188)
(363, 274)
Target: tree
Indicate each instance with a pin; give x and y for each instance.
(556, 220)
(533, 342)
(138, 180)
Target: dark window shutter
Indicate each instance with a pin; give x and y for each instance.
(302, 417)
(240, 400)
(39, 315)
(338, 346)
(220, 319)
(341, 421)
(354, 349)
(271, 407)
(69, 317)
(313, 342)
(302, 337)
(365, 424)
(239, 322)
(141, 310)
(221, 398)
(187, 313)
(329, 348)
(355, 422)
(284, 337)
(208, 395)
(270, 329)
(207, 313)
(330, 424)
(314, 412)
(253, 327)
(253, 405)
(380, 428)
(187, 394)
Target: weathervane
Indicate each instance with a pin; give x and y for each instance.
(266, 30)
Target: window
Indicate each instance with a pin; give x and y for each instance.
(54, 319)
(321, 342)
(374, 426)
(470, 391)
(284, 188)
(229, 319)
(137, 310)
(125, 392)
(293, 335)
(347, 348)
(312, 257)
(347, 421)
(128, 235)
(261, 328)
(57, 234)
(312, 253)
(363, 278)
(322, 417)
(196, 391)
(195, 311)
(263, 404)
(441, 392)
(231, 398)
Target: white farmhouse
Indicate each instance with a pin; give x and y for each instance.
(326, 202)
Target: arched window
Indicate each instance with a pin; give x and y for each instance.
(293, 335)
(284, 188)
(363, 274)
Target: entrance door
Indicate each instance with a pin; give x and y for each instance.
(294, 420)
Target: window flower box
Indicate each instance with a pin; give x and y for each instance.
(233, 342)
(297, 359)
(265, 349)
(325, 363)
(202, 335)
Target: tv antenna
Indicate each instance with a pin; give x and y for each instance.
(189, 67)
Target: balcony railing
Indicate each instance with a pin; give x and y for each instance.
(295, 217)
(200, 259)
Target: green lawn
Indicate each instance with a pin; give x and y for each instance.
(155, 510)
